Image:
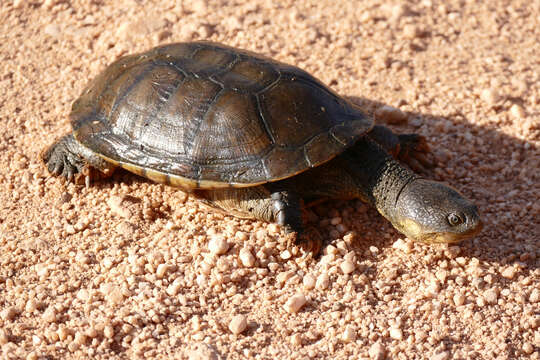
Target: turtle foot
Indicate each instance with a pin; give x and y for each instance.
(309, 241)
(61, 160)
(414, 151)
(72, 161)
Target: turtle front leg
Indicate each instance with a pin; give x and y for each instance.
(411, 149)
(268, 203)
(69, 159)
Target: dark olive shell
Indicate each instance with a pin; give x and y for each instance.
(213, 116)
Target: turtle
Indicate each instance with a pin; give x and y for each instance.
(255, 138)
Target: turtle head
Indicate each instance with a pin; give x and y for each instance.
(431, 212)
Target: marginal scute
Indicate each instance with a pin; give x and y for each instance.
(347, 133)
(284, 162)
(204, 115)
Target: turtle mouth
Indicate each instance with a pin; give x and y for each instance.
(448, 237)
(416, 232)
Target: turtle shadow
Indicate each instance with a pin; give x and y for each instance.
(496, 171)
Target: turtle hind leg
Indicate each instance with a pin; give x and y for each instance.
(69, 159)
(411, 149)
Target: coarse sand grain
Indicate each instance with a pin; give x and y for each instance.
(132, 269)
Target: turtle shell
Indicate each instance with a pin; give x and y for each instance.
(203, 115)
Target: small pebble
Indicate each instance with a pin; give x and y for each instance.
(410, 31)
(202, 351)
(441, 275)
(174, 288)
(377, 351)
(286, 255)
(323, 281)
(296, 339)
(162, 270)
(309, 282)
(509, 272)
(396, 334)
(390, 115)
(115, 203)
(402, 245)
(535, 296)
(218, 245)
(49, 315)
(490, 296)
(246, 257)
(295, 303)
(31, 305)
(4, 336)
(108, 331)
(490, 96)
(36, 340)
(528, 348)
(349, 335)
(459, 299)
(517, 111)
(445, 355)
(347, 267)
(238, 324)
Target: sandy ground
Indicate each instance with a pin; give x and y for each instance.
(129, 268)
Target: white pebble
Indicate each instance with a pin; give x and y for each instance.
(108, 331)
(535, 296)
(31, 305)
(445, 355)
(36, 340)
(528, 348)
(509, 272)
(349, 335)
(309, 282)
(441, 275)
(459, 299)
(396, 334)
(174, 288)
(4, 336)
(286, 255)
(411, 31)
(490, 296)
(162, 270)
(218, 245)
(377, 351)
(323, 281)
(295, 303)
(517, 111)
(402, 245)
(296, 339)
(117, 207)
(490, 96)
(347, 267)
(238, 324)
(246, 257)
(49, 315)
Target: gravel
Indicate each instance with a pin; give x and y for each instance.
(131, 269)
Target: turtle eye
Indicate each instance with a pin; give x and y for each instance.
(455, 219)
